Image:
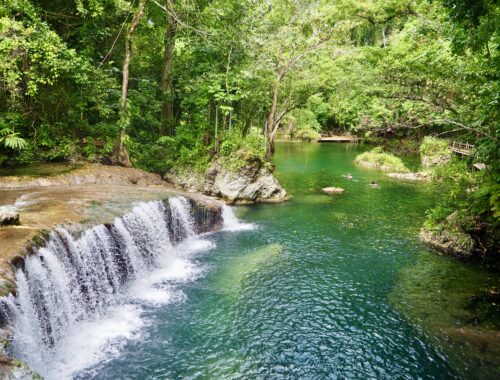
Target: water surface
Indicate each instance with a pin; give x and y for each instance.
(309, 294)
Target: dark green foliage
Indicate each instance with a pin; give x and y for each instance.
(387, 70)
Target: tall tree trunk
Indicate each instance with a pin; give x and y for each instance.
(168, 120)
(271, 119)
(121, 156)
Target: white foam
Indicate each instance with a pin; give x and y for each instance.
(94, 342)
(157, 287)
(231, 222)
(24, 200)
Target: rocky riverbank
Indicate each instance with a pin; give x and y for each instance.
(244, 185)
(452, 242)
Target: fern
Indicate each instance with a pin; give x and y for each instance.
(11, 139)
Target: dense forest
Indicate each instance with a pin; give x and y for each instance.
(162, 84)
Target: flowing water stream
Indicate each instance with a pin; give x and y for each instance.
(314, 288)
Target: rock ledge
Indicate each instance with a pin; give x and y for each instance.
(246, 185)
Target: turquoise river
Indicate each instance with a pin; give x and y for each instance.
(319, 287)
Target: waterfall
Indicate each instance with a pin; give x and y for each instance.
(231, 222)
(72, 281)
(80, 298)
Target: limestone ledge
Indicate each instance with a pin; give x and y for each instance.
(246, 185)
(83, 198)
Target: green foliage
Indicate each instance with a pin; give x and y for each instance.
(238, 151)
(228, 147)
(307, 134)
(11, 139)
(388, 70)
(380, 159)
(303, 124)
(469, 206)
(434, 147)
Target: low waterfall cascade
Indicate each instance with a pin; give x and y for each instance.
(73, 280)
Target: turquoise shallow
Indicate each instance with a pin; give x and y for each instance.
(305, 295)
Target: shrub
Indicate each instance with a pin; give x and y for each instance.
(307, 134)
(228, 147)
(434, 151)
(385, 161)
(432, 146)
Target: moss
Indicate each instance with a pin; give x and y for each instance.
(6, 287)
(39, 239)
(379, 159)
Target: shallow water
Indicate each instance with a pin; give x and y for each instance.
(308, 294)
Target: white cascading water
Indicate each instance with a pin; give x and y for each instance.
(77, 298)
(231, 222)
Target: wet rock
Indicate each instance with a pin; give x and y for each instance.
(333, 190)
(207, 215)
(9, 216)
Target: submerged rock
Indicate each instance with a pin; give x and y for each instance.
(333, 190)
(245, 185)
(9, 216)
(419, 176)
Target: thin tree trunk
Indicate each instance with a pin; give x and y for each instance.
(168, 120)
(271, 120)
(121, 156)
(216, 129)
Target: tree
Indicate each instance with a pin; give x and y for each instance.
(121, 155)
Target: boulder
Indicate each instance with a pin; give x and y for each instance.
(9, 216)
(333, 190)
(244, 185)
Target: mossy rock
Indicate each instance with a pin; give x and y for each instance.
(378, 159)
(434, 151)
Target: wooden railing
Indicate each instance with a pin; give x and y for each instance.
(461, 148)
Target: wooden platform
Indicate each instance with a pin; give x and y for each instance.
(339, 139)
(464, 149)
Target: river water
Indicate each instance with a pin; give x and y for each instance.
(313, 288)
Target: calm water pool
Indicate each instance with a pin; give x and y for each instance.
(309, 294)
